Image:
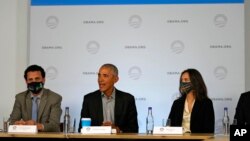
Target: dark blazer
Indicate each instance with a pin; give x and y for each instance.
(202, 116)
(125, 111)
(242, 113)
(49, 111)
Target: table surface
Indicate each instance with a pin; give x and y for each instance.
(208, 137)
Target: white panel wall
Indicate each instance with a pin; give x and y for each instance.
(13, 52)
(247, 39)
(7, 55)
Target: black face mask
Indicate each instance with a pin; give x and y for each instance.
(35, 87)
(186, 87)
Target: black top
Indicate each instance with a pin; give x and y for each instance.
(202, 116)
(242, 113)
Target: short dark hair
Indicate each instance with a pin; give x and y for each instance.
(34, 68)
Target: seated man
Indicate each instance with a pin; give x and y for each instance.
(242, 114)
(109, 106)
(37, 105)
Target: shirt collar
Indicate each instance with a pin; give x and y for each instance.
(39, 95)
(112, 95)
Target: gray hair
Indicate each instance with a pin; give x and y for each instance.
(112, 67)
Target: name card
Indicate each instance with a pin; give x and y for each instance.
(22, 129)
(168, 130)
(96, 130)
(113, 131)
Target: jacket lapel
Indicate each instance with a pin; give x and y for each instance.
(28, 102)
(118, 106)
(99, 107)
(181, 107)
(42, 104)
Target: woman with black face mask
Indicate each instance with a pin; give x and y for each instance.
(193, 110)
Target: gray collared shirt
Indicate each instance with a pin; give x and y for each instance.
(39, 96)
(108, 104)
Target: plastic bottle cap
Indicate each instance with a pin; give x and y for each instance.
(86, 118)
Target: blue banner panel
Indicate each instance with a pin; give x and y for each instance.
(126, 2)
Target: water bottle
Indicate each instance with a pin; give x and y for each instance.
(6, 122)
(225, 122)
(66, 122)
(150, 121)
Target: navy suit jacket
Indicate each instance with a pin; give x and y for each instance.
(242, 113)
(125, 111)
(202, 116)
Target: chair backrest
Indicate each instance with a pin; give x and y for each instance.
(61, 126)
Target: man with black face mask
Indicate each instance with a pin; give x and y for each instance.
(37, 105)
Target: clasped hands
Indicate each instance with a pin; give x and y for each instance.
(109, 123)
(30, 122)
